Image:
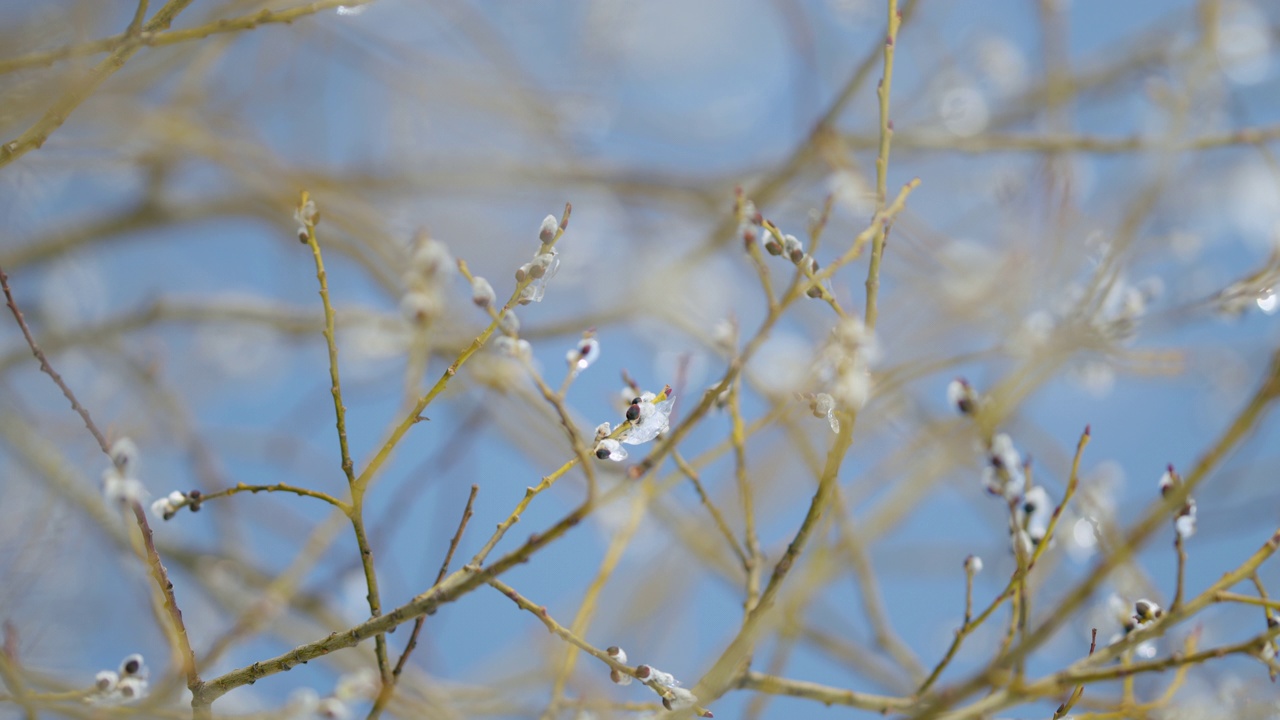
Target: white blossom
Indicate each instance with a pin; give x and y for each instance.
(961, 396)
(678, 698)
(583, 354)
(1145, 611)
(431, 257)
(482, 292)
(656, 677)
(1035, 512)
(610, 449)
(844, 364)
(725, 336)
(792, 248)
(105, 679)
(650, 416)
(163, 509)
(420, 305)
(131, 689)
(133, 665)
(118, 488)
(853, 387)
(547, 232)
(1003, 474)
(333, 708)
(124, 455)
(973, 564)
(509, 323)
(603, 430)
(619, 656)
(1185, 523)
(542, 269)
(823, 405)
(519, 349)
(127, 685)
(305, 215)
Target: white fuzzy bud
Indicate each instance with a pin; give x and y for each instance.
(306, 214)
(133, 665)
(482, 292)
(431, 257)
(1145, 611)
(162, 509)
(973, 564)
(333, 709)
(1035, 513)
(961, 396)
(678, 698)
(609, 449)
(583, 354)
(823, 405)
(124, 454)
(105, 680)
(130, 689)
(418, 306)
(509, 323)
(547, 232)
(792, 248)
(119, 488)
(1185, 523)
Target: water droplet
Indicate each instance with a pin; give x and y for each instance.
(1268, 301)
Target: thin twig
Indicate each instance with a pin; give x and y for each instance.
(692, 473)
(586, 610)
(276, 488)
(1019, 575)
(1181, 551)
(384, 696)
(309, 216)
(158, 572)
(738, 438)
(36, 135)
(722, 673)
(1065, 707)
(415, 413)
(48, 369)
(882, 166)
(820, 693)
(340, 411)
(11, 675)
(47, 58)
(572, 638)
